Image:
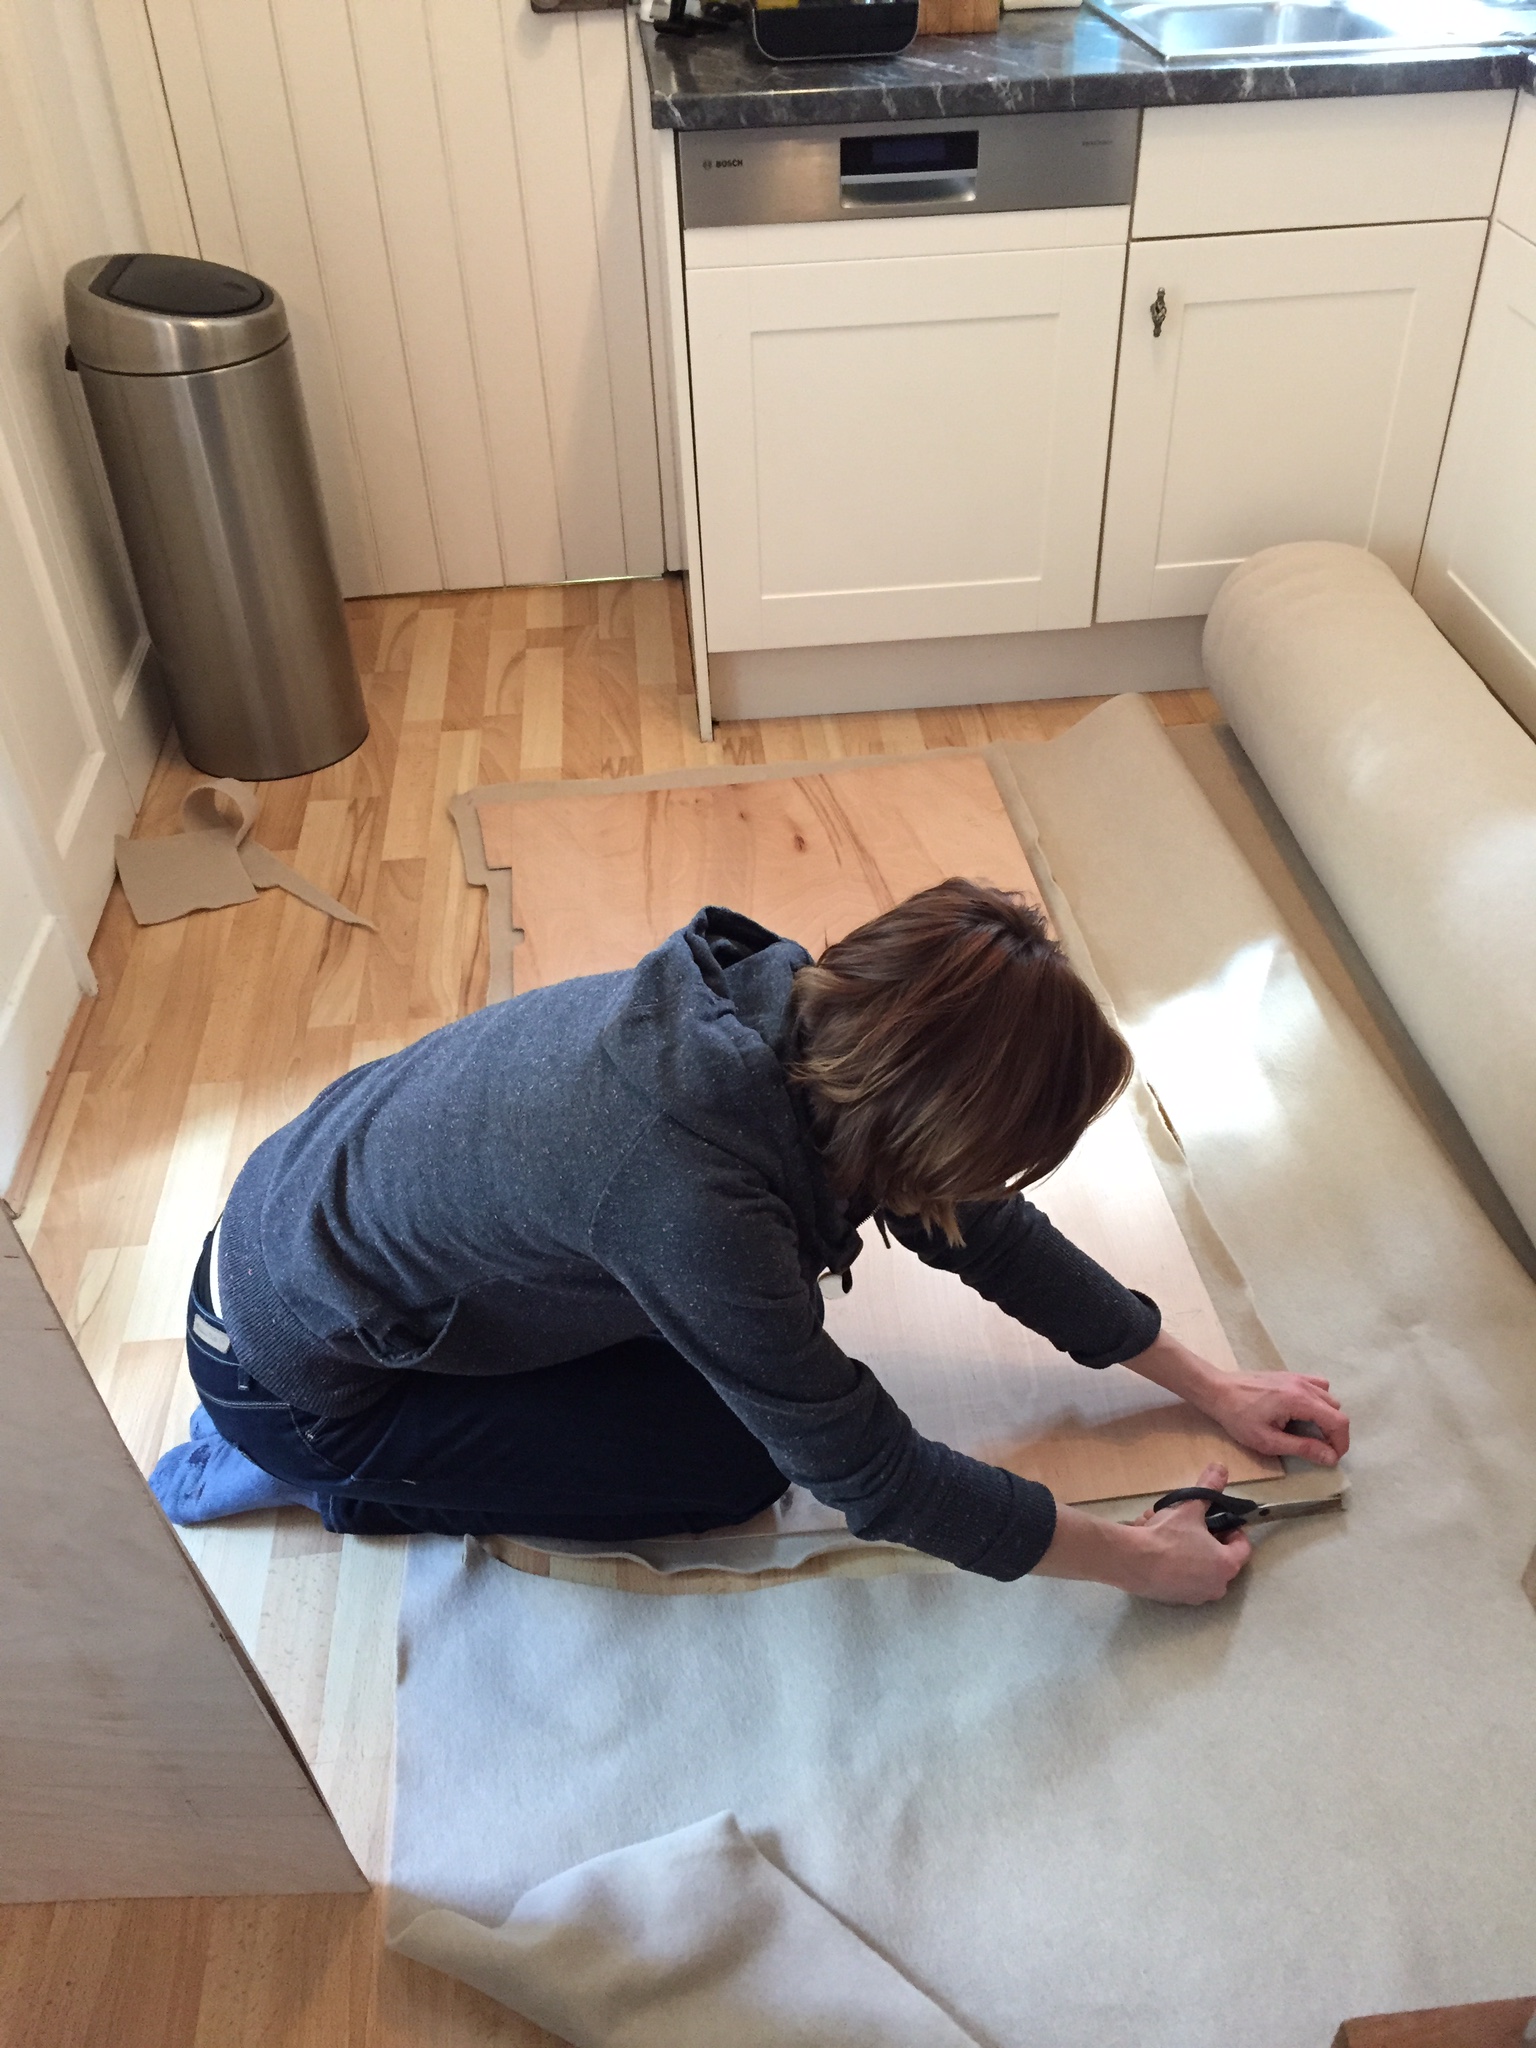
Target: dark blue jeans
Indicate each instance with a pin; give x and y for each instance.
(628, 1443)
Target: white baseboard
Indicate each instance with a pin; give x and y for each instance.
(128, 681)
(142, 715)
(986, 668)
(33, 1021)
(1504, 663)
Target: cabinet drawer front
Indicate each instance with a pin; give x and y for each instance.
(937, 234)
(895, 450)
(1477, 580)
(1298, 390)
(1319, 163)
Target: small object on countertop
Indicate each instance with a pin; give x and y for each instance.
(712, 15)
(1225, 1512)
(957, 17)
(796, 31)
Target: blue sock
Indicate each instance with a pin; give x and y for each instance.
(207, 1477)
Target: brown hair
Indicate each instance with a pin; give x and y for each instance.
(950, 1053)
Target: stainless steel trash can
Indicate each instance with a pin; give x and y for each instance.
(189, 375)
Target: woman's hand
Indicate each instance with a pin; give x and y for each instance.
(1179, 1561)
(1170, 1557)
(1252, 1407)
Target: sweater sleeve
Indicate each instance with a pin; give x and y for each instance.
(716, 1267)
(1015, 1256)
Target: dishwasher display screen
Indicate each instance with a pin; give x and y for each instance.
(896, 156)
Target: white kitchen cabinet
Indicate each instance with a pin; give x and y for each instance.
(1516, 202)
(893, 448)
(1477, 579)
(1299, 389)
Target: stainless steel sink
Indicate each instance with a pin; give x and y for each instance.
(1197, 30)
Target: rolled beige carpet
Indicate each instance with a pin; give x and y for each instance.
(1412, 792)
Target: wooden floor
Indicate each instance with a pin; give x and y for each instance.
(207, 1034)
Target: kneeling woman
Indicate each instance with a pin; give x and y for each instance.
(554, 1270)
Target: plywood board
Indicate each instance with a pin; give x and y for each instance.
(1505, 2023)
(598, 879)
(142, 1755)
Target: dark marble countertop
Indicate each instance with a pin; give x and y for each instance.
(1038, 61)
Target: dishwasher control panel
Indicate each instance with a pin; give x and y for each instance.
(998, 163)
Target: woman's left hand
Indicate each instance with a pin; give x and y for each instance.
(1254, 1408)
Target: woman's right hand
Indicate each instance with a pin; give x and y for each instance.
(1175, 1558)
(1171, 1557)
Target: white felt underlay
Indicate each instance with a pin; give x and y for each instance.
(685, 1942)
(1067, 1817)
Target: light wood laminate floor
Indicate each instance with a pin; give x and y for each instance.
(207, 1034)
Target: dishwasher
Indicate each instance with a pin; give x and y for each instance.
(901, 350)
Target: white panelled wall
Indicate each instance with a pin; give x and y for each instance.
(78, 732)
(444, 192)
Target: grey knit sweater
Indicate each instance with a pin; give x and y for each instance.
(620, 1156)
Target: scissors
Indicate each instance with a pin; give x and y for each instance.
(1225, 1512)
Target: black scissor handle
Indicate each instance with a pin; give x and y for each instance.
(1224, 1512)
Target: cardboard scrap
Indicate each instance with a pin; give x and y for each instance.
(212, 861)
(501, 933)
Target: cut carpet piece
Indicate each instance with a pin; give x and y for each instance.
(1066, 1816)
(599, 877)
(212, 862)
(691, 1941)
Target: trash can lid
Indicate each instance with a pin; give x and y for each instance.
(179, 284)
(147, 315)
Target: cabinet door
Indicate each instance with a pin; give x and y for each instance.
(1298, 390)
(73, 720)
(1477, 580)
(1516, 203)
(893, 449)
